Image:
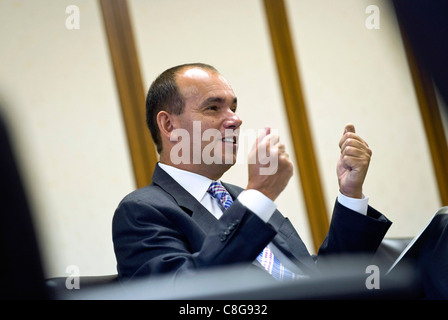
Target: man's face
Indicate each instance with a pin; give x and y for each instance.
(209, 117)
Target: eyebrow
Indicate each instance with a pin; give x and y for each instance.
(216, 100)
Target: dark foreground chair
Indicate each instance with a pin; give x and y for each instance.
(58, 286)
(107, 286)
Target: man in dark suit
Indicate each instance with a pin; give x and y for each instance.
(177, 225)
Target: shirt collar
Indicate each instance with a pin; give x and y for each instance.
(193, 183)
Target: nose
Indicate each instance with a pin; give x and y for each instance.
(232, 120)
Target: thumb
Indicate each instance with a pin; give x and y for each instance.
(266, 132)
(349, 128)
(260, 137)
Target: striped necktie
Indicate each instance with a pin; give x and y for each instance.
(218, 191)
(266, 258)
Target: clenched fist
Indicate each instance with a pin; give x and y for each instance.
(353, 163)
(269, 165)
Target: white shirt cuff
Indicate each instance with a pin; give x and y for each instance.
(258, 203)
(358, 205)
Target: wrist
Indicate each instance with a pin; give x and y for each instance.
(258, 203)
(265, 191)
(359, 205)
(354, 193)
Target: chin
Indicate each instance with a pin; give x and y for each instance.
(229, 161)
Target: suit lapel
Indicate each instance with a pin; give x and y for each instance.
(290, 243)
(233, 190)
(184, 199)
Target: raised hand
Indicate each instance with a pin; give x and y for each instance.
(353, 163)
(269, 165)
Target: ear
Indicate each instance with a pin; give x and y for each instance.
(165, 123)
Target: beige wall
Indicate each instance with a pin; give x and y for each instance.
(359, 75)
(61, 99)
(59, 92)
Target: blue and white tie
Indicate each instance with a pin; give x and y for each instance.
(266, 258)
(218, 191)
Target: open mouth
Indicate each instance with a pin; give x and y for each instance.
(230, 140)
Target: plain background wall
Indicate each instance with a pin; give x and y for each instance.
(360, 75)
(59, 90)
(60, 96)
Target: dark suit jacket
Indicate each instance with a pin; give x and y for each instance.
(161, 229)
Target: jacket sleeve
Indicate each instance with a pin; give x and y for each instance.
(351, 232)
(151, 240)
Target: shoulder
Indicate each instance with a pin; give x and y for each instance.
(147, 198)
(143, 194)
(149, 204)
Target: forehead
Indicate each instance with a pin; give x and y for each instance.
(202, 83)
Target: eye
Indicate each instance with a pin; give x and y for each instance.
(212, 108)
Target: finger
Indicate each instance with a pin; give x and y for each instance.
(356, 143)
(349, 130)
(261, 136)
(351, 137)
(355, 163)
(267, 129)
(356, 153)
(270, 140)
(281, 147)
